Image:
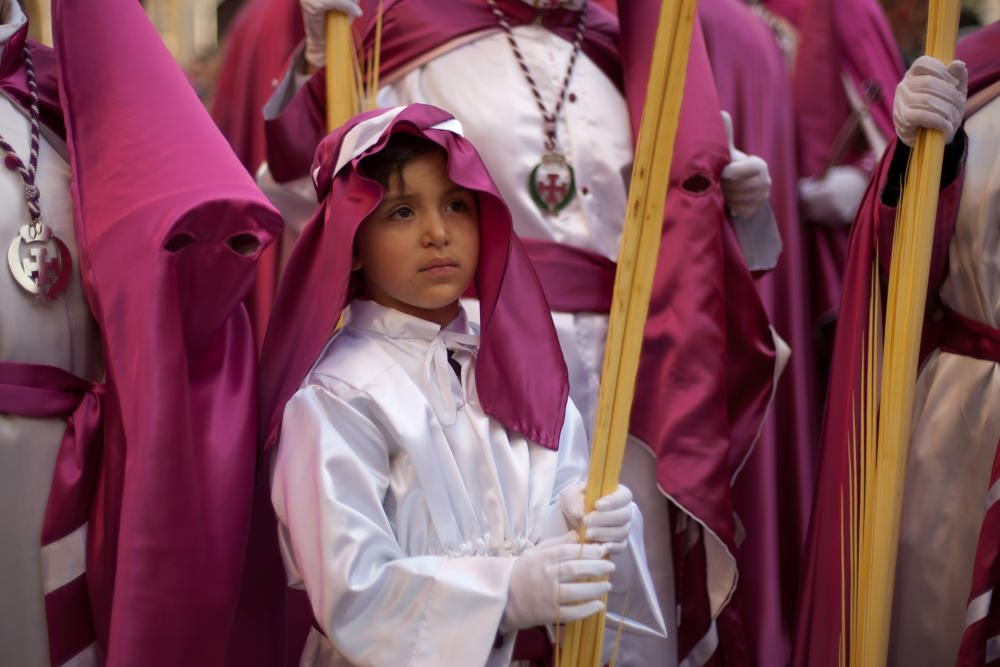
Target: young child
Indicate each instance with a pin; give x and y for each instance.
(429, 474)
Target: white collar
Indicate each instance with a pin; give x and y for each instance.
(367, 315)
(435, 368)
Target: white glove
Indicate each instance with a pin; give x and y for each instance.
(314, 17)
(930, 95)
(546, 587)
(834, 199)
(608, 525)
(746, 181)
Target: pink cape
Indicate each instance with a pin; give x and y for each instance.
(160, 206)
(521, 377)
(774, 492)
(817, 640)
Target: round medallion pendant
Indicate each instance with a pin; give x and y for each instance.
(552, 183)
(39, 262)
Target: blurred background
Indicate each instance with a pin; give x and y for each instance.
(195, 31)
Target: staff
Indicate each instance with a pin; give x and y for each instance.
(882, 468)
(633, 284)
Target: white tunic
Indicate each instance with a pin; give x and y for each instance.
(956, 426)
(400, 503)
(57, 333)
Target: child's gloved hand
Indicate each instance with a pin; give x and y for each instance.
(931, 95)
(609, 523)
(546, 584)
(314, 17)
(746, 180)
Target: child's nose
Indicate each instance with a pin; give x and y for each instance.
(436, 230)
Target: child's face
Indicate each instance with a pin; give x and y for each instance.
(419, 249)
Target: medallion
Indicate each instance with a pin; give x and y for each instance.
(551, 183)
(39, 261)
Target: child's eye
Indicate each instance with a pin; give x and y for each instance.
(458, 206)
(401, 213)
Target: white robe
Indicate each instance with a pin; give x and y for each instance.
(57, 333)
(401, 504)
(955, 429)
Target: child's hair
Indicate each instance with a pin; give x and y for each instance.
(401, 148)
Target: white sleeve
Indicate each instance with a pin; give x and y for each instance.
(377, 605)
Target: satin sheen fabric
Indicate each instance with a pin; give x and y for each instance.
(773, 494)
(704, 300)
(259, 42)
(954, 431)
(60, 335)
(401, 503)
(159, 204)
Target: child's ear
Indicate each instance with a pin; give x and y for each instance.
(356, 263)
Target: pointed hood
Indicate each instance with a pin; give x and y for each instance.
(169, 227)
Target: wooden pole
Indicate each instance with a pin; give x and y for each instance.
(633, 283)
(341, 83)
(908, 276)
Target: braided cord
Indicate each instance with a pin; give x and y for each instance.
(549, 118)
(14, 162)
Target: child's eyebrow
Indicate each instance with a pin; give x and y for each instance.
(394, 199)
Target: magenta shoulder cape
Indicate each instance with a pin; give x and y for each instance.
(774, 491)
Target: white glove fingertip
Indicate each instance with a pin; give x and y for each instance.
(617, 498)
(615, 548)
(577, 612)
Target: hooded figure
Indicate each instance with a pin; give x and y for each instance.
(435, 456)
(131, 471)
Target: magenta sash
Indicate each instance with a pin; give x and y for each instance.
(574, 280)
(36, 391)
(967, 337)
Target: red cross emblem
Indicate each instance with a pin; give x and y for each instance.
(554, 191)
(44, 271)
(552, 183)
